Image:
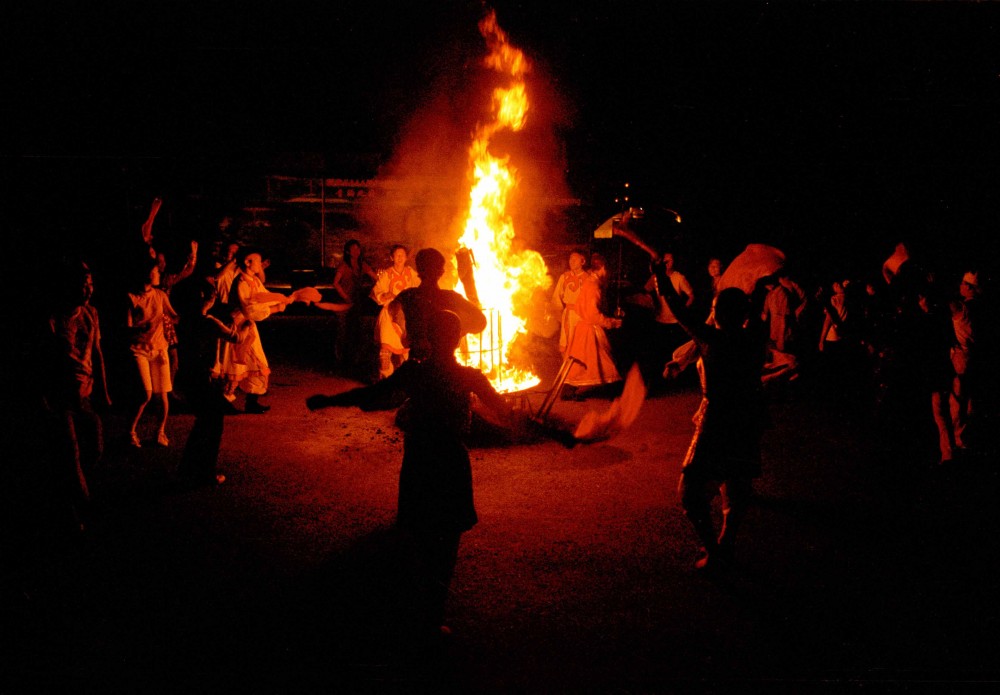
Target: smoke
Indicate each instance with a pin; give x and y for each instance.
(426, 182)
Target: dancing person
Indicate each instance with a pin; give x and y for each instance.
(148, 308)
(965, 357)
(420, 302)
(204, 389)
(167, 283)
(566, 294)
(935, 334)
(724, 455)
(435, 503)
(835, 318)
(77, 374)
(593, 366)
(147, 226)
(245, 363)
(779, 317)
(668, 334)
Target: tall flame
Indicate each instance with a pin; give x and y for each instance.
(505, 277)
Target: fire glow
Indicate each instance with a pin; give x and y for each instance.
(506, 278)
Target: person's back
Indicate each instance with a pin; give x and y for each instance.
(725, 447)
(732, 367)
(435, 480)
(421, 302)
(439, 397)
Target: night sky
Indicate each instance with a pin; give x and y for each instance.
(834, 129)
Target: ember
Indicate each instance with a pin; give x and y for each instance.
(505, 277)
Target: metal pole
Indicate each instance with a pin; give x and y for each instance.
(499, 355)
(322, 223)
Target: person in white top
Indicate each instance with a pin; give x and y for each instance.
(244, 364)
(148, 305)
(394, 279)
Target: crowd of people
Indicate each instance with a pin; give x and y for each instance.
(914, 349)
(915, 354)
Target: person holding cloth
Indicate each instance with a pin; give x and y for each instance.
(724, 454)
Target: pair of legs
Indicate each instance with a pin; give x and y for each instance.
(940, 404)
(83, 446)
(154, 371)
(961, 408)
(201, 451)
(433, 554)
(696, 492)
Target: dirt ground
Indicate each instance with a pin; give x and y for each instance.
(855, 572)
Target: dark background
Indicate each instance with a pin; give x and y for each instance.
(832, 129)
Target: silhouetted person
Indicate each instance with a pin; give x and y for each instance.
(435, 483)
(168, 280)
(966, 355)
(935, 336)
(203, 387)
(77, 373)
(419, 303)
(724, 454)
(353, 282)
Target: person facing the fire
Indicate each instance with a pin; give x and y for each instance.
(724, 454)
(566, 294)
(593, 364)
(419, 303)
(394, 279)
(435, 503)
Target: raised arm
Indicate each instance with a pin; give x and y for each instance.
(147, 226)
(472, 317)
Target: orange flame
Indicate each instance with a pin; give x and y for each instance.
(505, 277)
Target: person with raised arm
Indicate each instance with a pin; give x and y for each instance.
(724, 454)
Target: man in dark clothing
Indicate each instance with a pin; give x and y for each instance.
(435, 483)
(418, 303)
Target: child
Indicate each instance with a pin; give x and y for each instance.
(77, 374)
(148, 306)
(724, 454)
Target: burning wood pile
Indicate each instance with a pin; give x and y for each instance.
(505, 277)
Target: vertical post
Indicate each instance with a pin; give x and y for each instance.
(322, 223)
(493, 334)
(499, 356)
